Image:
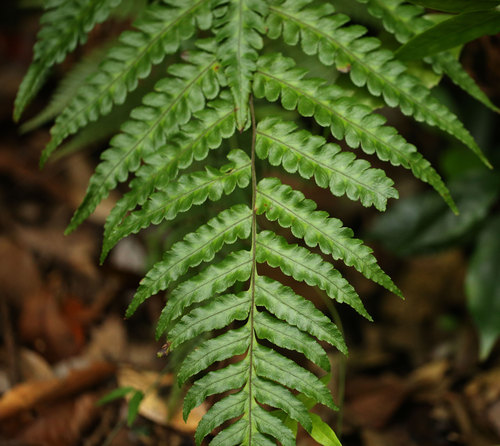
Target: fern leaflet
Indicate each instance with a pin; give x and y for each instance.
(64, 26)
(172, 103)
(191, 189)
(404, 21)
(277, 76)
(320, 32)
(157, 33)
(238, 36)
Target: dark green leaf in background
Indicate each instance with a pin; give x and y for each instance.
(483, 287)
(115, 394)
(133, 407)
(423, 223)
(455, 31)
(459, 6)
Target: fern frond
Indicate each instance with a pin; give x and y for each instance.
(238, 35)
(63, 26)
(218, 313)
(231, 406)
(236, 434)
(272, 365)
(274, 395)
(305, 266)
(66, 88)
(321, 32)
(171, 104)
(188, 113)
(446, 63)
(297, 150)
(292, 210)
(197, 247)
(232, 377)
(157, 33)
(267, 424)
(227, 345)
(197, 137)
(190, 189)
(405, 21)
(215, 279)
(290, 307)
(277, 76)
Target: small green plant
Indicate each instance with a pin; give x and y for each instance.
(209, 104)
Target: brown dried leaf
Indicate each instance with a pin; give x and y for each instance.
(27, 395)
(108, 341)
(77, 250)
(371, 402)
(483, 397)
(43, 324)
(63, 424)
(19, 276)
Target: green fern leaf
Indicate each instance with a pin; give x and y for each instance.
(276, 367)
(286, 336)
(157, 33)
(174, 100)
(64, 26)
(294, 309)
(202, 101)
(232, 377)
(235, 435)
(66, 88)
(321, 33)
(277, 76)
(291, 209)
(197, 247)
(267, 392)
(446, 63)
(238, 36)
(197, 137)
(215, 279)
(405, 21)
(268, 424)
(398, 17)
(304, 266)
(219, 313)
(190, 189)
(227, 345)
(231, 406)
(298, 150)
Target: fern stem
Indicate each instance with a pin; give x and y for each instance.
(254, 265)
(342, 366)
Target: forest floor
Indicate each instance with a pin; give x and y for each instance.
(413, 376)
